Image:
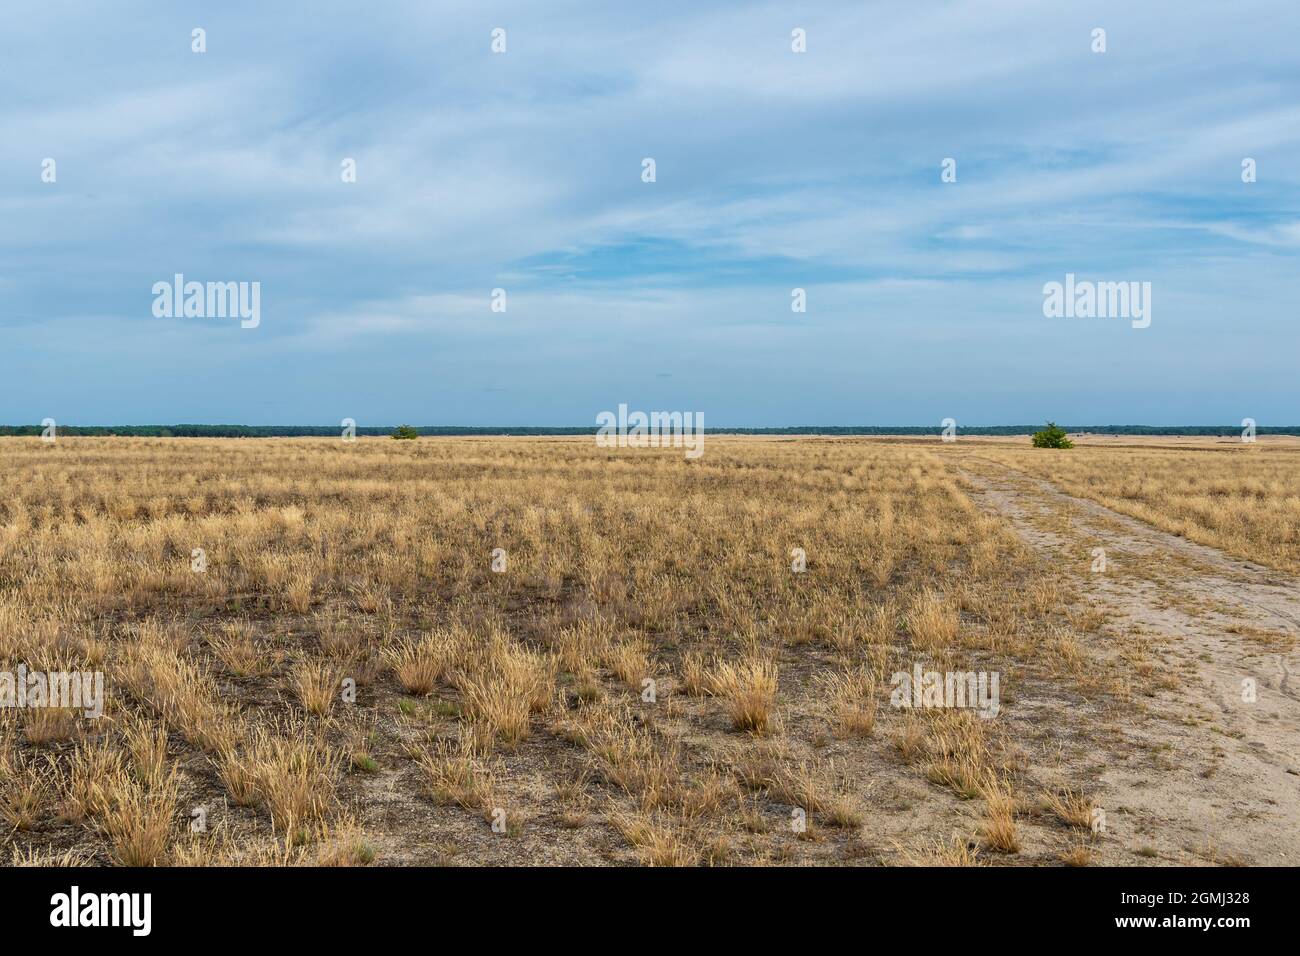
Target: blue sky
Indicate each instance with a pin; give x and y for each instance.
(775, 170)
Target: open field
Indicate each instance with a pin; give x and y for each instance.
(1240, 498)
(537, 651)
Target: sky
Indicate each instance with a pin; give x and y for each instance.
(774, 170)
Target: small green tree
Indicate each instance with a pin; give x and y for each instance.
(1053, 436)
(405, 431)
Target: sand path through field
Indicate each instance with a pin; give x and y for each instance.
(1225, 784)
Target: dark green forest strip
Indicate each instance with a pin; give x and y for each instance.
(290, 431)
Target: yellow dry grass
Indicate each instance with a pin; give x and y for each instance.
(650, 669)
(1239, 497)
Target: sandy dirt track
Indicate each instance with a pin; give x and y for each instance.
(1228, 788)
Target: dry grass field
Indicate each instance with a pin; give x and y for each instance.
(1240, 498)
(537, 651)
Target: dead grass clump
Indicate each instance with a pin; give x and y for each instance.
(656, 843)
(1071, 807)
(1080, 854)
(147, 746)
(241, 654)
(630, 662)
(999, 828)
(456, 774)
(850, 697)
(90, 768)
(932, 621)
(420, 665)
(238, 770)
(48, 859)
(882, 624)
(343, 843)
(959, 753)
(749, 689)
(695, 674)
(799, 786)
(581, 646)
(810, 787)
(180, 691)
(954, 852)
(50, 725)
(295, 775)
(25, 795)
(706, 796)
(909, 739)
(298, 592)
(632, 756)
(503, 685)
(138, 821)
(316, 685)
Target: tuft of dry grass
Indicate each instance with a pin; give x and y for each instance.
(51, 725)
(90, 768)
(749, 689)
(630, 662)
(932, 621)
(961, 757)
(579, 646)
(420, 665)
(882, 624)
(296, 776)
(1071, 807)
(241, 654)
(1080, 854)
(316, 685)
(180, 691)
(138, 821)
(238, 771)
(147, 746)
(47, 858)
(343, 843)
(298, 592)
(25, 796)
(503, 685)
(806, 786)
(850, 697)
(456, 774)
(695, 674)
(999, 827)
(632, 756)
(909, 740)
(954, 852)
(656, 843)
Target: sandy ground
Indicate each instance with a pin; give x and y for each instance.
(1227, 788)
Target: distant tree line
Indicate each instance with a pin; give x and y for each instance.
(290, 431)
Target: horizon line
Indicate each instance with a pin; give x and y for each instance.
(305, 430)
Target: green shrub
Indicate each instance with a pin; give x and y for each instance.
(405, 431)
(1053, 436)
